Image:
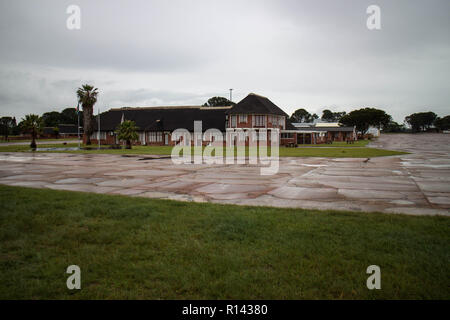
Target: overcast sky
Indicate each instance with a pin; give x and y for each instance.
(311, 54)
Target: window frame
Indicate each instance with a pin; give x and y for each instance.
(233, 121)
(260, 120)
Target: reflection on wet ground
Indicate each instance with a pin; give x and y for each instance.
(416, 183)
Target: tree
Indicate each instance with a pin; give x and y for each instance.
(126, 131)
(366, 117)
(421, 121)
(32, 124)
(329, 116)
(55, 118)
(87, 97)
(219, 102)
(442, 123)
(69, 116)
(338, 115)
(393, 126)
(301, 115)
(51, 119)
(6, 125)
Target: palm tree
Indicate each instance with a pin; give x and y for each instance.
(32, 124)
(127, 131)
(87, 96)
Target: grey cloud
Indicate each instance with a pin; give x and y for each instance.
(299, 53)
(148, 97)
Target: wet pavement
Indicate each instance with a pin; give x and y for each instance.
(416, 183)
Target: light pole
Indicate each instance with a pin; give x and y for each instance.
(99, 129)
(78, 127)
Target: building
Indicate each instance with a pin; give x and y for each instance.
(322, 132)
(374, 131)
(255, 112)
(68, 130)
(60, 131)
(156, 124)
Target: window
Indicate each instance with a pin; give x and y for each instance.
(142, 137)
(242, 118)
(259, 121)
(155, 136)
(94, 135)
(286, 135)
(278, 121)
(233, 121)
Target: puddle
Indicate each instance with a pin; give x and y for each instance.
(434, 166)
(314, 165)
(155, 158)
(58, 149)
(23, 159)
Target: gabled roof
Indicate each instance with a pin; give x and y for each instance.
(164, 118)
(256, 104)
(67, 129)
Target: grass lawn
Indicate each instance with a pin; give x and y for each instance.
(359, 143)
(333, 152)
(137, 248)
(39, 140)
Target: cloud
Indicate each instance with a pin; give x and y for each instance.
(298, 53)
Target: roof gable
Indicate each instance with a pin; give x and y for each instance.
(256, 104)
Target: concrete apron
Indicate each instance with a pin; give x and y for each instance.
(416, 184)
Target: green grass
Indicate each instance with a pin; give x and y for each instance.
(334, 152)
(26, 147)
(358, 143)
(137, 248)
(39, 140)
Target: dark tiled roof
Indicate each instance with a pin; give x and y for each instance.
(164, 118)
(68, 129)
(48, 130)
(256, 104)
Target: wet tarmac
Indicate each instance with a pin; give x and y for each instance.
(416, 183)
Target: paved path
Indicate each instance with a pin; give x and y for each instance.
(417, 183)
